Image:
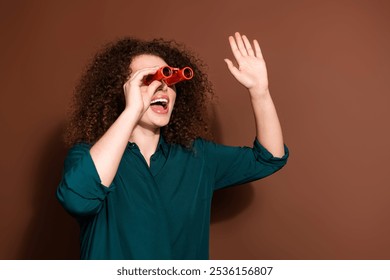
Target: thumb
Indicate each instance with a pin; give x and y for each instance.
(153, 87)
(235, 72)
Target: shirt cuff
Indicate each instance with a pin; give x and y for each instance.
(263, 155)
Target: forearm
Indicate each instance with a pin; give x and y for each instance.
(107, 152)
(268, 129)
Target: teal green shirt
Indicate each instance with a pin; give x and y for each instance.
(161, 211)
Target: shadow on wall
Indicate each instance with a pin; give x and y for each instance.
(52, 233)
(229, 202)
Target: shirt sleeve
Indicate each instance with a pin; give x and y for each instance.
(239, 165)
(80, 191)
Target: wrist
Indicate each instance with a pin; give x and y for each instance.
(259, 93)
(131, 115)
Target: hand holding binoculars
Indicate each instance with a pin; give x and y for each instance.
(170, 75)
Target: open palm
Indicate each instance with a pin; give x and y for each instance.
(251, 71)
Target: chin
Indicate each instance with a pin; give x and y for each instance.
(154, 123)
(153, 120)
(161, 123)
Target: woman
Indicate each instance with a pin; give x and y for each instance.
(140, 175)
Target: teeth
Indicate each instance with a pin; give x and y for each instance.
(163, 100)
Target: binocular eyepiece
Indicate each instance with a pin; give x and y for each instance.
(170, 75)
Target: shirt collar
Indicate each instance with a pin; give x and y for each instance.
(163, 146)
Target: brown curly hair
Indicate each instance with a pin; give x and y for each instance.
(99, 97)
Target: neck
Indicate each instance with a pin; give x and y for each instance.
(146, 140)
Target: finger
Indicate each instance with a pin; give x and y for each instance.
(140, 74)
(248, 46)
(152, 88)
(240, 44)
(257, 49)
(137, 78)
(231, 67)
(236, 52)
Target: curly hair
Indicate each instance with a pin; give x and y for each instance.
(99, 99)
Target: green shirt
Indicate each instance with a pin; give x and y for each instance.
(161, 211)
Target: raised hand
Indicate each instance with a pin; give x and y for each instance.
(251, 71)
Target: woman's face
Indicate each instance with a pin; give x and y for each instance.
(156, 116)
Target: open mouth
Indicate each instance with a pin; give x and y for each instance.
(159, 104)
(162, 102)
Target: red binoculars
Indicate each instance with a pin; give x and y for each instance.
(170, 75)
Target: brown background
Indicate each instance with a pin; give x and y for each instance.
(328, 65)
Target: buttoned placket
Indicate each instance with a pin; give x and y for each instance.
(153, 171)
(157, 160)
